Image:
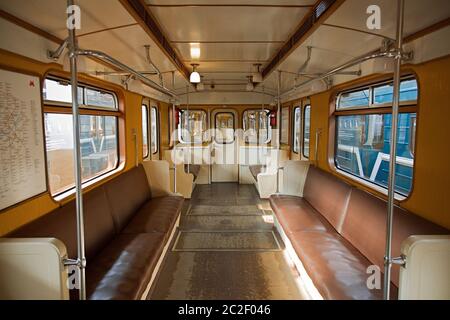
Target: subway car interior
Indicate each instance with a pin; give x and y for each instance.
(224, 150)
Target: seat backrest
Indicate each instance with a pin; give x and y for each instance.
(328, 195)
(61, 223)
(365, 228)
(126, 194)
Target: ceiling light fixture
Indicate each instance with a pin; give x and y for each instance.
(195, 76)
(250, 86)
(195, 51)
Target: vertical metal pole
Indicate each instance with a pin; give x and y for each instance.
(173, 135)
(393, 150)
(150, 129)
(279, 128)
(73, 47)
(260, 124)
(189, 125)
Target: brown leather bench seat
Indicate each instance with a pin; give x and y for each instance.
(193, 168)
(125, 233)
(337, 231)
(256, 169)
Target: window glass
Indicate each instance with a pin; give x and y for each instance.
(193, 126)
(60, 91)
(306, 130)
(297, 127)
(354, 99)
(363, 148)
(145, 149)
(224, 124)
(412, 140)
(97, 98)
(99, 148)
(408, 92)
(256, 125)
(284, 138)
(154, 130)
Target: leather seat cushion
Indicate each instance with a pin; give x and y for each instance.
(62, 224)
(157, 215)
(256, 169)
(296, 214)
(336, 268)
(126, 194)
(194, 169)
(328, 195)
(121, 271)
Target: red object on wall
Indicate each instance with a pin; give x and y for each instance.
(273, 118)
(177, 117)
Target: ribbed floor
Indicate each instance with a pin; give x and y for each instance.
(226, 248)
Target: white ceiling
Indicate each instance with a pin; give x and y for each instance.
(233, 35)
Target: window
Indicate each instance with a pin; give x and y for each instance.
(284, 138)
(145, 136)
(379, 95)
(99, 148)
(97, 98)
(363, 138)
(192, 126)
(59, 91)
(256, 125)
(297, 129)
(408, 92)
(306, 130)
(224, 124)
(354, 99)
(98, 133)
(149, 134)
(154, 129)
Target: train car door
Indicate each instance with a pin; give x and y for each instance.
(225, 166)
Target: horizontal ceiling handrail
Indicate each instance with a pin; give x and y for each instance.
(373, 55)
(107, 58)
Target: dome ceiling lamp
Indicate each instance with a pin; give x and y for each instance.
(195, 76)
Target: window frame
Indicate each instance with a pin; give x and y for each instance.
(299, 108)
(305, 107)
(55, 107)
(405, 107)
(269, 127)
(215, 127)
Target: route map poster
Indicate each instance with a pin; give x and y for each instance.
(22, 157)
